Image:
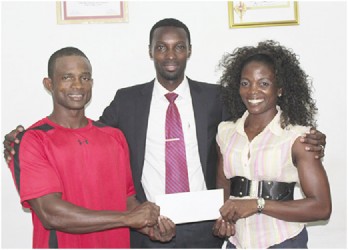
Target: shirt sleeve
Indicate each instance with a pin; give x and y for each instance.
(222, 134)
(36, 177)
(298, 131)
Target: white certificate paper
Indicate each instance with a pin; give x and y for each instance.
(191, 206)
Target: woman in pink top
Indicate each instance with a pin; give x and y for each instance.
(262, 159)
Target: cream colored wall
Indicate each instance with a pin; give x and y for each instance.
(118, 52)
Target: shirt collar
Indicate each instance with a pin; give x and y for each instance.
(182, 90)
(273, 126)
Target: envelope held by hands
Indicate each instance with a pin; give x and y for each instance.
(191, 206)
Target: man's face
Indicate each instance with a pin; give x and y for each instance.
(71, 84)
(170, 50)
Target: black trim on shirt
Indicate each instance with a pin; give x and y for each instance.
(53, 241)
(17, 171)
(99, 124)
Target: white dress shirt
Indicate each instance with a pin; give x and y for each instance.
(153, 177)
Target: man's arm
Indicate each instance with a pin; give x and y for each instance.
(111, 112)
(8, 140)
(55, 213)
(316, 140)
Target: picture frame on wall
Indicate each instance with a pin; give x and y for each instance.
(74, 12)
(248, 14)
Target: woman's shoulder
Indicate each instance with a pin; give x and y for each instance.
(227, 128)
(297, 130)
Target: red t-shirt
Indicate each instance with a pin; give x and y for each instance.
(89, 166)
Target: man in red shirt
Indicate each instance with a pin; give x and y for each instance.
(74, 173)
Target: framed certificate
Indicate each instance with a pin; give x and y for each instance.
(91, 12)
(248, 14)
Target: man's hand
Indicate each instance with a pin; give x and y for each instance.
(316, 141)
(9, 139)
(164, 231)
(144, 215)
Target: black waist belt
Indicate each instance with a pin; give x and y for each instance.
(269, 190)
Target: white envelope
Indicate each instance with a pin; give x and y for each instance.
(191, 206)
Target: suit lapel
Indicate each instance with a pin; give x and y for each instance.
(201, 119)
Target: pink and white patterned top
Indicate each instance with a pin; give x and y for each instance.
(266, 157)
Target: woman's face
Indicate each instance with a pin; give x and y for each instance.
(258, 88)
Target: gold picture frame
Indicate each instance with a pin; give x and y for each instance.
(248, 14)
(75, 12)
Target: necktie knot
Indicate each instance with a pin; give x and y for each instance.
(171, 97)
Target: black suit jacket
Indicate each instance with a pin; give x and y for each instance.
(129, 111)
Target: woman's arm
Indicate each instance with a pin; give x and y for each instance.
(314, 182)
(315, 185)
(221, 180)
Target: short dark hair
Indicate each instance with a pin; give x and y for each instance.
(67, 51)
(170, 22)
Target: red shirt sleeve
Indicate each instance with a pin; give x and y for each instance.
(35, 175)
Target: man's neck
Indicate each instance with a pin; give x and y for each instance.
(170, 85)
(71, 119)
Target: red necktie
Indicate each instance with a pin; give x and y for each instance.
(176, 167)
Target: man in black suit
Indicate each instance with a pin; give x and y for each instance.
(140, 112)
